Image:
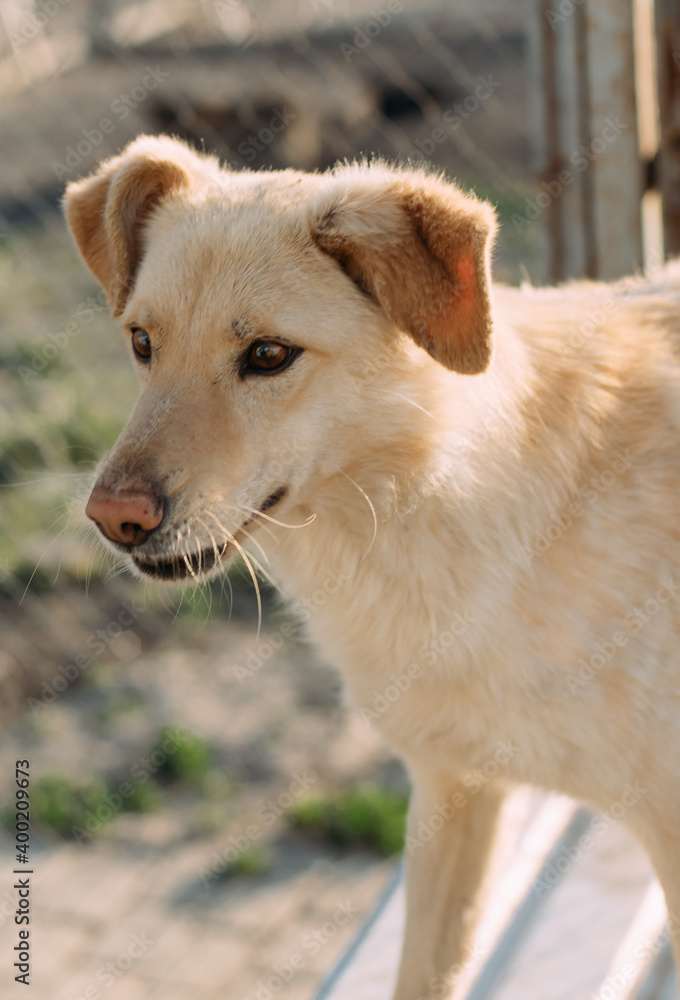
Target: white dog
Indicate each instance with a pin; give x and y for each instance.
(494, 479)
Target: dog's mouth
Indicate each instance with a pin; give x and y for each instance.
(197, 564)
(180, 567)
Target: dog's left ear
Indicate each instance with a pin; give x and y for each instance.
(421, 248)
(108, 210)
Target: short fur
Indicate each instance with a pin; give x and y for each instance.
(489, 522)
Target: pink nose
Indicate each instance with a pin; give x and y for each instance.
(125, 513)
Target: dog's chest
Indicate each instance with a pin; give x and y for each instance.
(487, 671)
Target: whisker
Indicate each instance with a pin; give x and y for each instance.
(242, 529)
(47, 478)
(117, 570)
(413, 403)
(212, 537)
(255, 542)
(272, 535)
(216, 550)
(257, 563)
(178, 606)
(249, 567)
(37, 565)
(188, 566)
(100, 554)
(368, 500)
(225, 580)
(264, 572)
(281, 524)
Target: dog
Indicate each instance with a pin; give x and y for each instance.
(484, 482)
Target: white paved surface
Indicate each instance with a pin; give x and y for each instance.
(581, 920)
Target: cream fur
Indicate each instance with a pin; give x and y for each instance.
(481, 485)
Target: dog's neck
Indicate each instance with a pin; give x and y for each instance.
(441, 491)
(483, 464)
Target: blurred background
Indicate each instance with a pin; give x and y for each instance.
(204, 804)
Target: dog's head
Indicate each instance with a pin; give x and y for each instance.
(273, 320)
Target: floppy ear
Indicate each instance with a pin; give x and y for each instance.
(106, 211)
(421, 248)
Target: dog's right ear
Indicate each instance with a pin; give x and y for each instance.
(107, 210)
(420, 248)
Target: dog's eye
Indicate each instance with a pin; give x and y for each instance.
(141, 344)
(265, 357)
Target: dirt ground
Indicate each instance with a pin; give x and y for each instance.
(143, 907)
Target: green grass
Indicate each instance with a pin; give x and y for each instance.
(58, 805)
(255, 860)
(365, 816)
(61, 806)
(190, 760)
(55, 421)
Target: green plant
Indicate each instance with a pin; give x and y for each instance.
(188, 761)
(58, 804)
(255, 860)
(364, 816)
(145, 798)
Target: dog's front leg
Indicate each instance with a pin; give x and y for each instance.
(451, 830)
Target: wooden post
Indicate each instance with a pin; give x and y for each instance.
(589, 170)
(668, 70)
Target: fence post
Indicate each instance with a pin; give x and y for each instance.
(588, 157)
(668, 75)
